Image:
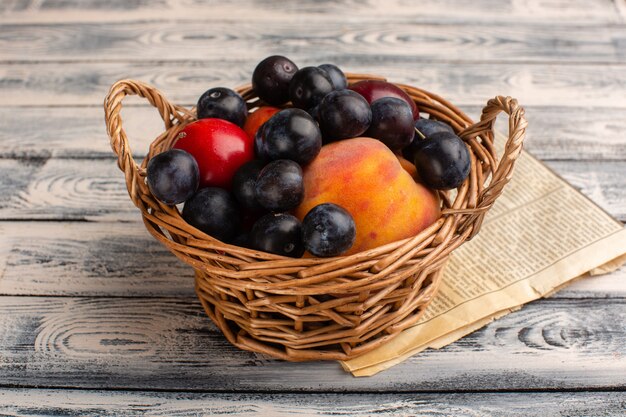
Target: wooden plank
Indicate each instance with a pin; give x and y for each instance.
(471, 84)
(65, 189)
(137, 343)
(122, 259)
(572, 11)
(94, 189)
(73, 132)
(620, 5)
(324, 40)
(603, 286)
(28, 402)
(579, 133)
(597, 180)
(76, 258)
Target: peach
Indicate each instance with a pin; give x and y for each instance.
(365, 177)
(408, 166)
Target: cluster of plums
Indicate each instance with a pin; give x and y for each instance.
(240, 175)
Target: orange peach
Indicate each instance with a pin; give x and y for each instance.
(364, 176)
(408, 166)
(255, 120)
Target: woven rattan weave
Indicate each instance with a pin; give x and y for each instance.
(326, 308)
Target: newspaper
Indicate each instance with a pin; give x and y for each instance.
(540, 235)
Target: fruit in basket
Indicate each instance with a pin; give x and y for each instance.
(409, 167)
(426, 127)
(244, 182)
(429, 127)
(256, 119)
(363, 176)
(373, 90)
(222, 103)
(214, 211)
(173, 176)
(309, 86)
(336, 75)
(343, 114)
(279, 186)
(392, 122)
(328, 230)
(278, 233)
(290, 134)
(220, 148)
(442, 161)
(271, 78)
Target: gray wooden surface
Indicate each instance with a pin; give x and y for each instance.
(96, 318)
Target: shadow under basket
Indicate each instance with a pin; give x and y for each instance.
(321, 308)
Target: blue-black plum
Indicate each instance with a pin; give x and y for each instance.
(173, 176)
(309, 86)
(222, 103)
(336, 75)
(344, 114)
(427, 127)
(291, 134)
(443, 161)
(328, 230)
(271, 78)
(244, 182)
(278, 233)
(279, 186)
(392, 122)
(214, 211)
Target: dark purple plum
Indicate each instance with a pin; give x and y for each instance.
(244, 182)
(343, 114)
(328, 230)
(427, 127)
(259, 144)
(214, 211)
(392, 122)
(309, 86)
(292, 134)
(374, 90)
(278, 233)
(271, 78)
(336, 75)
(173, 176)
(222, 103)
(443, 161)
(280, 186)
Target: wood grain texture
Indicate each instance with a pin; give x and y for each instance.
(579, 133)
(570, 11)
(620, 5)
(79, 259)
(89, 300)
(123, 260)
(325, 40)
(540, 84)
(169, 344)
(31, 402)
(94, 189)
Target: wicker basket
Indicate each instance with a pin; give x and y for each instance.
(321, 308)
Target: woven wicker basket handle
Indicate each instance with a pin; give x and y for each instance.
(512, 150)
(117, 135)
